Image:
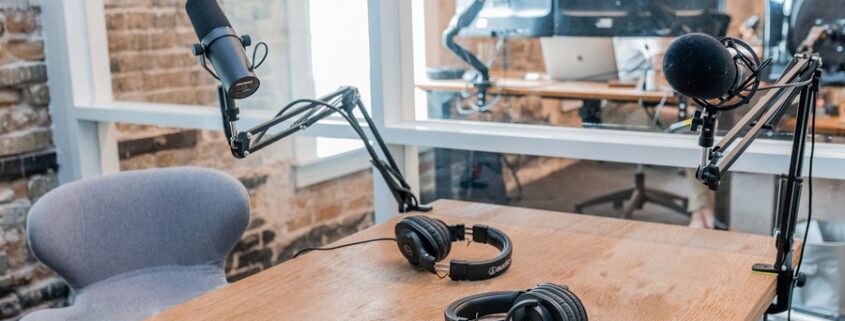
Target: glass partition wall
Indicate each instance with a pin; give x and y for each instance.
(620, 118)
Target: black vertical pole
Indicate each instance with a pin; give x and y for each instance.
(790, 198)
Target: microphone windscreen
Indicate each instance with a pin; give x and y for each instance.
(699, 66)
(205, 16)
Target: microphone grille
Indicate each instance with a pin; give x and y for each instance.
(206, 15)
(699, 66)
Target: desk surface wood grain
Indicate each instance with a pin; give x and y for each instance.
(622, 270)
(557, 89)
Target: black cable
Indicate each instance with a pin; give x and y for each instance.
(280, 113)
(306, 250)
(255, 51)
(800, 84)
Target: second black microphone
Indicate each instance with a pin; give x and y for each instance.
(223, 48)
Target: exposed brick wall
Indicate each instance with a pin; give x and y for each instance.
(27, 159)
(148, 49)
(284, 218)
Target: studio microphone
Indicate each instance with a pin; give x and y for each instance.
(223, 48)
(699, 66)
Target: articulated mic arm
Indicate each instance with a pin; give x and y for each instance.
(802, 76)
(307, 112)
(459, 22)
(801, 79)
(717, 160)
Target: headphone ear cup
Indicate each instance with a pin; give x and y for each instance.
(568, 300)
(435, 231)
(555, 302)
(546, 304)
(414, 243)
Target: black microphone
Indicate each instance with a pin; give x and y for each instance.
(697, 65)
(223, 47)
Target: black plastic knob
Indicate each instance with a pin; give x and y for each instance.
(198, 49)
(801, 280)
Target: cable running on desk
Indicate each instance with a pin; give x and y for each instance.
(303, 251)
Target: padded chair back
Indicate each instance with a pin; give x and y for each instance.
(92, 230)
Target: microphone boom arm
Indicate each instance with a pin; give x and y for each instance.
(764, 115)
(802, 78)
(461, 21)
(344, 101)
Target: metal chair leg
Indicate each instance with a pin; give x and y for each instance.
(620, 196)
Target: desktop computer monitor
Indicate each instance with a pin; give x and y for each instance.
(512, 18)
(788, 23)
(639, 18)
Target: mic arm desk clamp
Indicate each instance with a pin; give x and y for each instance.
(801, 79)
(344, 101)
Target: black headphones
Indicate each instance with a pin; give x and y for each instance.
(546, 302)
(425, 241)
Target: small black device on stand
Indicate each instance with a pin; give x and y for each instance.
(721, 75)
(220, 45)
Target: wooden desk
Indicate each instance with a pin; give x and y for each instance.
(557, 89)
(827, 125)
(622, 270)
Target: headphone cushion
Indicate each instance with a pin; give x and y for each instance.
(446, 234)
(562, 306)
(436, 231)
(568, 299)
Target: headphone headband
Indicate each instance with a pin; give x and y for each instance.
(463, 270)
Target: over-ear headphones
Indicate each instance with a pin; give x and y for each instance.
(546, 302)
(425, 242)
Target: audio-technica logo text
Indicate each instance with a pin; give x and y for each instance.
(498, 269)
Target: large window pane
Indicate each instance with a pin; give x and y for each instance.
(151, 62)
(567, 185)
(609, 80)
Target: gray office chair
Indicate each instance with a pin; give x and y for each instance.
(132, 245)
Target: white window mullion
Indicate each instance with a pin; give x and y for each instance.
(79, 73)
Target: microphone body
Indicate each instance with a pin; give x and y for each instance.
(223, 48)
(699, 66)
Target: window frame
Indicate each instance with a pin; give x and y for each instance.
(83, 110)
(309, 167)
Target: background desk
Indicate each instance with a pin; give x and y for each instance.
(584, 90)
(825, 125)
(622, 270)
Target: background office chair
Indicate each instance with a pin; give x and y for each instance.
(132, 245)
